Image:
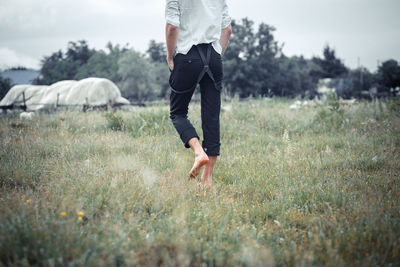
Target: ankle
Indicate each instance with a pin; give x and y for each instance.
(196, 147)
(200, 154)
(206, 180)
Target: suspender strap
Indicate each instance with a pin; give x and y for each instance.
(206, 62)
(206, 69)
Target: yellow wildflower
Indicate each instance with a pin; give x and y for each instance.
(28, 200)
(79, 218)
(80, 213)
(63, 213)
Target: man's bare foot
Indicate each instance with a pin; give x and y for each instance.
(199, 161)
(206, 180)
(206, 177)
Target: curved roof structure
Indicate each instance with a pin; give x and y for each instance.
(90, 91)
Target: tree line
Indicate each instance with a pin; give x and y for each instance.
(254, 65)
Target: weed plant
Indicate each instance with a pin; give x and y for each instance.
(114, 121)
(331, 115)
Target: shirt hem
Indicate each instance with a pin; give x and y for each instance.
(217, 47)
(174, 23)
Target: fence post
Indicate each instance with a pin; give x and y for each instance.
(58, 97)
(23, 98)
(86, 106)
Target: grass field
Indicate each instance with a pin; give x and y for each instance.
(308, 187)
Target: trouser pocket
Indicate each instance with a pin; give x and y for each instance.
(185, 73)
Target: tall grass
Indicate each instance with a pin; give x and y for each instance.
(291, 187)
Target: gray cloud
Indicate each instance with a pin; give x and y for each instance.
(369, 29)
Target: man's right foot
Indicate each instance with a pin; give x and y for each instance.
(206, 180)
(199, 161)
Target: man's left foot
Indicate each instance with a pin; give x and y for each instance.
(199, 162)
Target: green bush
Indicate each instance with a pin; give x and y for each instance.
(114, 121)
(137, 77)
(331, 116)
(5, 85)
(394, 106)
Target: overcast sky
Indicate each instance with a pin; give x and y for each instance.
(365, 29)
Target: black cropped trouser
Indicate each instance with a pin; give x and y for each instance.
(185, 76)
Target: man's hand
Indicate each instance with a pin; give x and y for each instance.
(224, 39)
(171, 36)
(170, 62)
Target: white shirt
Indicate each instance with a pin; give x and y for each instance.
(199, 21)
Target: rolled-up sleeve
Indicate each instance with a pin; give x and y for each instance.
(226, 19)
(172, 12)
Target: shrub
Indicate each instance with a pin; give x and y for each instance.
(114, 121)
(394, 106)
(331, 116)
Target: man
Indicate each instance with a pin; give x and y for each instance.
(197, 35)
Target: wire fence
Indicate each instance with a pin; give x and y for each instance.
(22, 105)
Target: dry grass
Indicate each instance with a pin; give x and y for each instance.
(292, 187)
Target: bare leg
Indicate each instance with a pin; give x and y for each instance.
(200, 157)
(206, 178)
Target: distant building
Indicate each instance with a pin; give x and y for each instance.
(20, 76)
(342, 87)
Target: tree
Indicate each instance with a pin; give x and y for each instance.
(79, 52)
(294, 77)
(329, 66)
(138, 80)
(53, 69)
(161, 74)
(388, 76)
(5, 85)
(265, 62)
(236, 55)
(250, 60)
(102, 64)
(157, 52)
(363, 80)
(60, 66)
(241, 65)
